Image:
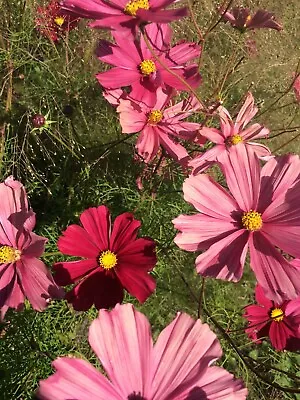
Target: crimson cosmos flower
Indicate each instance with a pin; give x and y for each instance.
(281, 322)
(114, 259)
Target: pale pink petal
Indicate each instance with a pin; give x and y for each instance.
(37, 282)
(259, 149)
(182, 130)
(183, 109)
(279, 279)
(182, 53)
(36, 247)
(254, 131)
(175, 150)
(148, 143)
(226, 258)
(132, 117)
(206, 159)
(225, 122)
(213, 134)
(76, 379)
(242, 171)
(213, 201)
(277, 176)
(246, 113)
(182, 353)
(113, 96)
(216, 384)
(200, 231)
(122, 340)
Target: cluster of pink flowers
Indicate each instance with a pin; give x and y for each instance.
(259, 212)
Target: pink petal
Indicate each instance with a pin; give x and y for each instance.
(148, 143)
(200, 231)
(226, 258)
(182, 53)
(96, 222)
(246, 113)
(75, 378)
(242, 171)
(118, 77)
(279, 333)
(206, 159)
(122, 341)
(127, 58)
(225, 122)
(279, 279)
(77, 242)
(162, 16)
(213, 201)
(254, 131)
(213, 134)
(261, 298)
(259, 149)
(71, 271)
(174, 150)
(132, 117)
(36, 247)
(37, 282)
(182, 353)
(159, 36)
(216, 384)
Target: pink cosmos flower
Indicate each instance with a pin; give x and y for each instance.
(114, 259)
(230, 134)
(52, 21)
(124, 14)
(135, 66)
(159, 125)
(262, 213)
(281, 322)
(296, 87)
(240, 18)
(22, 274)
(177, 367)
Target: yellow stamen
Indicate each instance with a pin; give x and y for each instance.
(277, 314)
(133, 6)
(233, 140)
(59, 20)
(248, 19)
(252, 220)
(154, 117)
(9, 254)
(147, 67)
(107, 260)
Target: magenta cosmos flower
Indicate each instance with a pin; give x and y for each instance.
(135, 66)
(240, 18)
(53, 22)
(160, 125)
(22, 274)
(114, 259)
(120, 14)
(281, 322)
(230, 134)
(262, 213)
(177, 367)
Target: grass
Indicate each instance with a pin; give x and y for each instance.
(75, 165)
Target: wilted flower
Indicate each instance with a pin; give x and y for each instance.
(52, 21)
(176, 367)
(230, 134)
(262, 214)
(114, 260)
(22, 274)
(135, 66)
(279, 322)
(124, 14)
(240, 18)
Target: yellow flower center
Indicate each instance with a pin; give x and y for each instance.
(107, 260)
(147, 67)
(9, 254)
(154, 117)
(277, 314)
(252, 220)
(59, 20)
(248, 19)
(133, 6)
(233, 140)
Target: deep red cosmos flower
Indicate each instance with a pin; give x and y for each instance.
(114, 259)
(52, 21)
(281, 322)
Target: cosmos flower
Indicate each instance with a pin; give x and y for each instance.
(52, 21)
(262, 213)
(279, 322)
(22, 274)
(114, 259)
(160, 125)
(135, 66)
(230, 134)
(240, 18)
(123, 14)
(176, 367)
